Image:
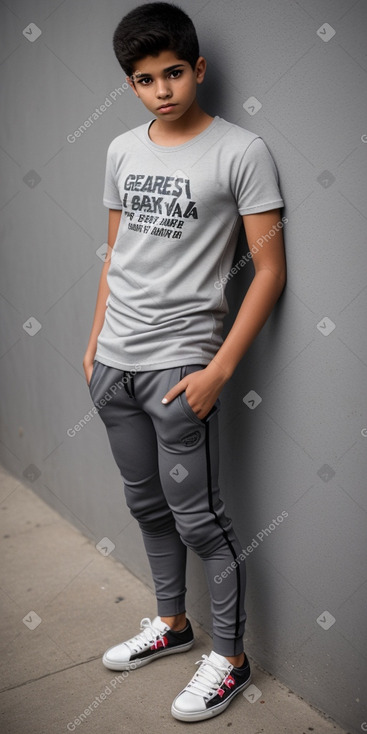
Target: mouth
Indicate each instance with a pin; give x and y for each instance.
(166, 107)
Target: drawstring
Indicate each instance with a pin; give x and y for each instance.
(132, 386)
(131, 389)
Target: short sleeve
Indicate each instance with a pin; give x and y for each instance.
(111, 196)
(256, 186)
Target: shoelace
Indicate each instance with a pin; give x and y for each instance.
(210, 675)
(148, 635)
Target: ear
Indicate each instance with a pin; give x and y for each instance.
(200, 69)
(131, 83)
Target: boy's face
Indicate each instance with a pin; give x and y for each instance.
(167, 85)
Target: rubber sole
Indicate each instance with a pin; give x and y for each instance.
(208, 713)
(134, 664)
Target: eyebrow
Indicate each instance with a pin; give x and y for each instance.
(140, 74)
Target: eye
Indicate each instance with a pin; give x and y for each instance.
(175, 73)
(144, 81)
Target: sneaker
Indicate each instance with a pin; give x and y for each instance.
(211, 689)
(155, 640)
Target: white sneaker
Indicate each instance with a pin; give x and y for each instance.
(211, 689)
(155, 640)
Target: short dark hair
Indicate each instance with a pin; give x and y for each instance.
(151, 28)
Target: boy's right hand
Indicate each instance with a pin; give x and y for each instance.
(88, 367)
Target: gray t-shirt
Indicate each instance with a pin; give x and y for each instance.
(180, 221)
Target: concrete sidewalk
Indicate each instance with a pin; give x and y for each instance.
(63, 604)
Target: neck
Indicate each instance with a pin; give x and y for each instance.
(191, 122)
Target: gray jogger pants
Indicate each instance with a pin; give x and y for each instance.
(168, 459)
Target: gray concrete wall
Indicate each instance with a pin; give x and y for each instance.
(302, 450)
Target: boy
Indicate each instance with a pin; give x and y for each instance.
(176, 189)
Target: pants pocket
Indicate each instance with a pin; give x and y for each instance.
(187, 370)
(93, 373)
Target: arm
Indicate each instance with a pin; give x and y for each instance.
(263, 293)
(203, 387)
(103, 292)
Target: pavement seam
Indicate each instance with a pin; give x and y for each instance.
(48, 675)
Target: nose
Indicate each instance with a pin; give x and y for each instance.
(162, 89)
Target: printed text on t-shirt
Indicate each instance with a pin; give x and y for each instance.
(171, 211)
